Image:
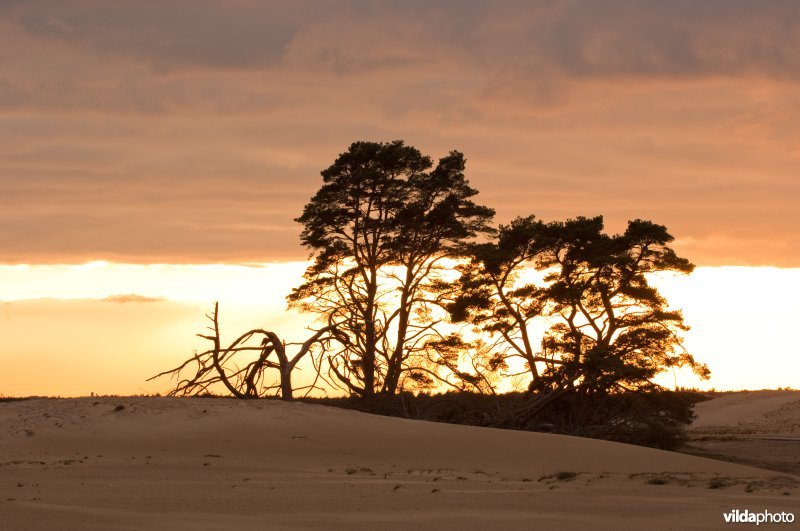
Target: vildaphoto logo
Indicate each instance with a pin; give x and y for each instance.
(737, 516)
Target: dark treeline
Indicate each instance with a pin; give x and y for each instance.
(412, 289)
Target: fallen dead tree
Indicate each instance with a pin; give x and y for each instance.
(245, 368)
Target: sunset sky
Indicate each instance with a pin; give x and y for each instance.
(153, 154)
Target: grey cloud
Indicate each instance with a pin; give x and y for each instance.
(166, 34)
(98, 56)
(11, 95)
(570, 38)
(673, 39)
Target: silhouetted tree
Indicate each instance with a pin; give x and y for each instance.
(610, 329)
(381, 227)
(241, 368)
(456, 364)
(497, 295)
(614, 330)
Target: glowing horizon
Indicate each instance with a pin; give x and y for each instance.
(108, 326)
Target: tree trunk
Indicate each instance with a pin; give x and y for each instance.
(368, 362)
(286, 382)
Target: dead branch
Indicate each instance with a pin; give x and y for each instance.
(243, 378)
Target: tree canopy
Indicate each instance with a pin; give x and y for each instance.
(380, 227)
(615, 330)
(608, 327)
(494, 295)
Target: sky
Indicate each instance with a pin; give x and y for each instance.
(192, 132)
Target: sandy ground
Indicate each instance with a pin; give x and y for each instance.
(760, 428)
(165, 463)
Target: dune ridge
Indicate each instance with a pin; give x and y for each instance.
(758, 428)
(202, 463)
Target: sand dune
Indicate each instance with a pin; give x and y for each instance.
(165, 463)
(759, 428)
(773, 412)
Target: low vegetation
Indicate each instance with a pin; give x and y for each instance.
(655, 419)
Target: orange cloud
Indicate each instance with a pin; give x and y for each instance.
(195, 131)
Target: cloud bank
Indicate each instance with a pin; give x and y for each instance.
(194, 131)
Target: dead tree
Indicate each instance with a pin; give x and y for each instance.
(245, 379)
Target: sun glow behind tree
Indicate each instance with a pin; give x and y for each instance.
(62, 334)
